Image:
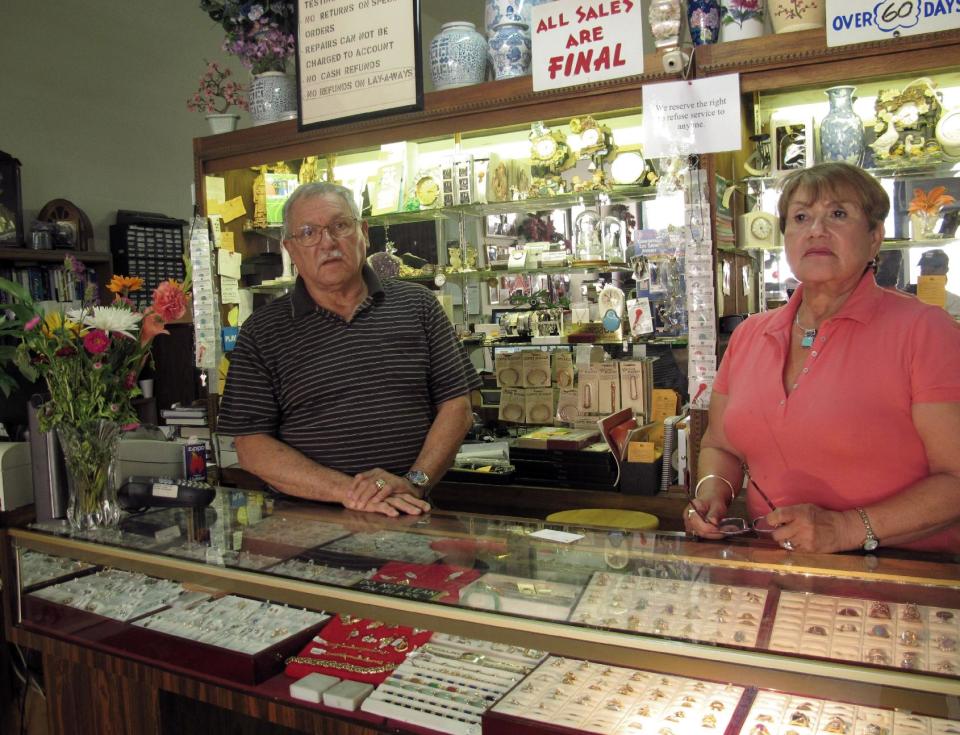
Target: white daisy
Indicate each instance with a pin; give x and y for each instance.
(109, 319)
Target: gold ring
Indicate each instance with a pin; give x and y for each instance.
(380, 484)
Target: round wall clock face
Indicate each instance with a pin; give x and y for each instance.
(627, 167)
(427, 190)
(590, 137)
(761, 228)
(545, 148)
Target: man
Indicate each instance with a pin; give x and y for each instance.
(936, 263)
(348, 389)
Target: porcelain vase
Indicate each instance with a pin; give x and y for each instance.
(90, 458)
(841, 132)
(664, 17)
(704, 19)
(741, 19)
(510, 50)
(458, 56)
(502, 11)
(222, 122)
(788, 16)
(273, 97)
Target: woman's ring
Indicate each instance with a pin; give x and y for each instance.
(380, 483)
(787, 545)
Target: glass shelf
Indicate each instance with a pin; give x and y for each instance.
(936, 169)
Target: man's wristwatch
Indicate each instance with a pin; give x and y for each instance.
(421, 480)
(871, 542)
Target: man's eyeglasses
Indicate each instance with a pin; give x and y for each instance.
(736, 526)
(309, 235)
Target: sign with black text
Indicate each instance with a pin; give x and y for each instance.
(699, 116)
(860, 21)
(357, 59)
(576, 42)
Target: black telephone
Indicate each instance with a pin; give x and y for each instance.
(138, 493)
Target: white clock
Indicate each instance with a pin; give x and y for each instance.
(758, 230)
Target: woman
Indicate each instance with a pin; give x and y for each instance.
(845, 403)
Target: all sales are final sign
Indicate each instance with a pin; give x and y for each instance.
(576, 42)
(860, 21)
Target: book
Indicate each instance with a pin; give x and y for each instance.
(185, 420)
(618, 430)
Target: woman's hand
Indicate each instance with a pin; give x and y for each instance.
(701, 516)
(808, 527)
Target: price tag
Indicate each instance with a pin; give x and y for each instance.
(164, 490)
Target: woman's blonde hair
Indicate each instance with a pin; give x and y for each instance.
(835, 177)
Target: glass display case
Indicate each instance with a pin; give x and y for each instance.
(237, 589)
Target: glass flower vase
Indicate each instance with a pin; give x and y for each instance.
(90, 457)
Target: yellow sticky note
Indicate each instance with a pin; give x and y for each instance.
(932, 290)
(228, 264)
(215, 189)
(233, 315)
(641, 452)
(227, 241)
(665, 403)
(233, 209)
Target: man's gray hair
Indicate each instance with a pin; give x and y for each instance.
(317, 189)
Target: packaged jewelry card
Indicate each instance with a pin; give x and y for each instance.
(636, 387)
(513, 402)
(436, 578)
(613, 700)
(563, 369)
(508, 367)
(520, 596)
(535, 365)
(538, 405)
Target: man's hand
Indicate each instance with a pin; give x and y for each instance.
(380, 491)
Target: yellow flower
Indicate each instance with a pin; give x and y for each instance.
(124, 284)
(54, 323)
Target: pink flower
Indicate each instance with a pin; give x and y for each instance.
(96, 341)
(169, 301)
(130, 427)
(32, 324)
(150, 327)
(130, 380)
(65, 352)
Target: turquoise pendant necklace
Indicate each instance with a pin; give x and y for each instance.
(806, 342)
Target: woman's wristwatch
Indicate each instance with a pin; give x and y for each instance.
(420, 480)
(871, 542)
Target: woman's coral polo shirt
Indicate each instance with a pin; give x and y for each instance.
(844, 437)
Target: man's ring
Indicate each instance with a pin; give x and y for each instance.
(691, 512)
(380, 483)
(787, 545)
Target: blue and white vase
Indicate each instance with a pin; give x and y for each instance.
(458, 56)
(841, 132)
(273, 97)
(510, 50)
(704, 19)
(502, 11)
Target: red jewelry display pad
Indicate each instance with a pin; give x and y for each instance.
(439, 577)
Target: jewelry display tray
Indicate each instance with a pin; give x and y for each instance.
(154, 646)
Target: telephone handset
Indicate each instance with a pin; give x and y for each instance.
(138, 493)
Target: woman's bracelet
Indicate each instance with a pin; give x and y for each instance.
(724, 480)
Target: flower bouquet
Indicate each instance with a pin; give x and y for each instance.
(90, 359)
(924, 208)
(260, 34)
